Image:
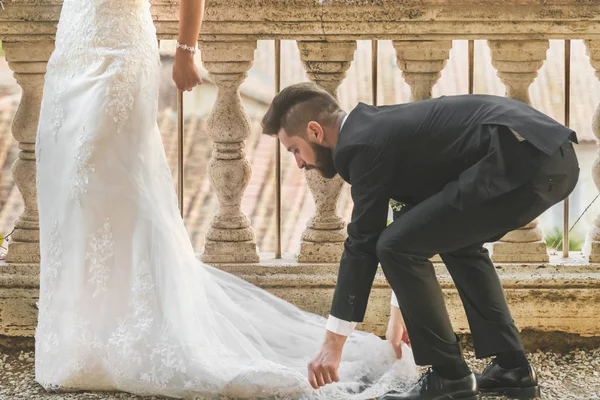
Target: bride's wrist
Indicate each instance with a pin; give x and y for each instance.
(184, 55)
(189, 48)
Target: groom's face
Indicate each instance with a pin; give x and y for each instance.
(309, 154)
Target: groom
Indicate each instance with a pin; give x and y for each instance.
(469, 169)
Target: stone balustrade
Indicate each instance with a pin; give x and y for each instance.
(517, 63)
(326, 32)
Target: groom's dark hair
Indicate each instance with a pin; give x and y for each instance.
(296, 105)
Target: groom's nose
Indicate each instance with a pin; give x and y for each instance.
(300, 162)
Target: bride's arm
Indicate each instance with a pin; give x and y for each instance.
(191, 13)
(185, 73)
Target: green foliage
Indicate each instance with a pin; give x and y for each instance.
(554, 240)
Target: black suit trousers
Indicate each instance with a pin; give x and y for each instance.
(435, 227)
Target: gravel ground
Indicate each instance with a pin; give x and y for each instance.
(571, 376)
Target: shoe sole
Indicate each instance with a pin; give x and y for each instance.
(532, 392)
(475, 397)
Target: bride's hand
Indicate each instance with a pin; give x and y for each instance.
(185, 73)
(396, 331)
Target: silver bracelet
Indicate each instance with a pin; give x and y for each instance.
(185, 47)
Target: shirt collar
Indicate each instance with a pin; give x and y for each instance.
(343, 121)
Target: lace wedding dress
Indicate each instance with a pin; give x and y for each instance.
(124, 303)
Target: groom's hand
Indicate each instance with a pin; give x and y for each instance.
(323, 369)
(396, 331)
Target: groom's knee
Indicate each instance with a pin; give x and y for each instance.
(385, 248)
(394, 251)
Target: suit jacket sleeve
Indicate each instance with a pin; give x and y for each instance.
(368, 173)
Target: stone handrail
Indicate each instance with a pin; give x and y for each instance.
(343, 19)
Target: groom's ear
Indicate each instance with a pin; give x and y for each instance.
(315, 132)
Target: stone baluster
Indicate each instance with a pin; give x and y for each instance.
(421, 63)
(19, 278)
(28, 61)
(326, 64)
(593, 240)
(517, 63)
(230, 237)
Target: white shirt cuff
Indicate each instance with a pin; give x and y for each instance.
(394, 300)
(340, 326)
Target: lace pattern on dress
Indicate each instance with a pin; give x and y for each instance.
(83, 154)
(99, 255)
(46, 334)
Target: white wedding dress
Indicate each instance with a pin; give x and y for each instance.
(124, 303)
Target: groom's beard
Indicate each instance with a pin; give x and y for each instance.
(323, 161)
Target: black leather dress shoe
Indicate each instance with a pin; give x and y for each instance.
(519, 383)
(433, 387)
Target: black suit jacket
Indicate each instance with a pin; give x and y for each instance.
(460, 145)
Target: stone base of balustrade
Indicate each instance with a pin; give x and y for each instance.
(324, 252)
(229, 252)
(529, 252)
(19, 285)
(594, 255)
(24, 252)
(560, 296)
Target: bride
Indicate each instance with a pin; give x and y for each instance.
(124, 303)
